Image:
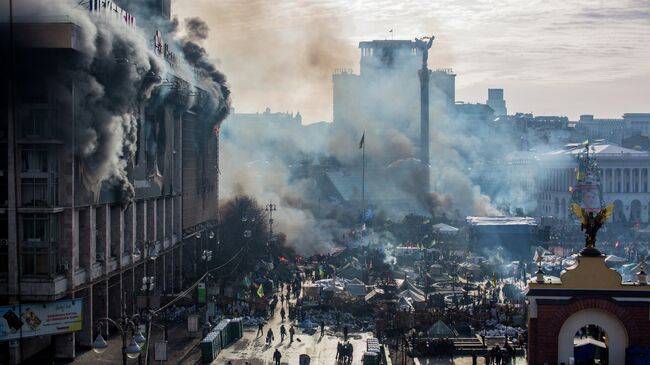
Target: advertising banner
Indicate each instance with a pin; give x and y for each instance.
(39, 319)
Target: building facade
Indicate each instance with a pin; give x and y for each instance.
(624, 181)
(589, 305)
(67, 236)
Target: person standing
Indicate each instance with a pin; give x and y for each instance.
(283, 332)
(260, 329)
(322, 328)
(291, 333)
(338, 350)
(282, 313)
(277, 356)
(345, 333)
(350, 352)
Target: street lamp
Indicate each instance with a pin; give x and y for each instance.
(124, 325)
(206, 256)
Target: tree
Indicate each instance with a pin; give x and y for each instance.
(243, 227)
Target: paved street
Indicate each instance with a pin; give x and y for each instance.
(322, 351)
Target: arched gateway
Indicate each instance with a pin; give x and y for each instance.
(587, 294)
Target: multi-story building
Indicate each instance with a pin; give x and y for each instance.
(62, 239)
(614, 130)
(387, 89)
(496, 102)
(539, 183)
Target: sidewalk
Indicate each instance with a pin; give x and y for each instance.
(178, 344)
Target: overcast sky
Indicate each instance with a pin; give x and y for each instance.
(559, 57)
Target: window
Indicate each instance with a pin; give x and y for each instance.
(35, 122)
(39, 227)
(39, 244)
(4, 234)
(34, 158)
(37, 192)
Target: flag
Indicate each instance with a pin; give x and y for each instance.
(363, 140)
(494, 279)
(321, 272)
(260, 291)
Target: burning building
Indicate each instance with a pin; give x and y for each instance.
(112, 170)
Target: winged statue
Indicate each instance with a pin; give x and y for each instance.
(591, 223)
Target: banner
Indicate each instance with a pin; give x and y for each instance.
(40, 319)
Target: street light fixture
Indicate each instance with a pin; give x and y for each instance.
(139, 338)
(133, 350)
(100, 345)
(124, 325)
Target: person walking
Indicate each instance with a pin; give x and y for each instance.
(322, 328)
(291, 333)
(260, 329)
(277, 356)
(269, 337)
(283, 313)
(282, 300)
(283, 333)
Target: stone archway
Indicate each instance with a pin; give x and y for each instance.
(617, 334)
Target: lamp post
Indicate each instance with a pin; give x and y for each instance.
(124, 325)
(148, 284)
(270, 208)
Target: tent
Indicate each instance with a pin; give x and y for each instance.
(441, 330)
(412, 287)
(415, 296)
(444, 228)
(405, 303)
(614, 259)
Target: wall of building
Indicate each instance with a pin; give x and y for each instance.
(62, 241)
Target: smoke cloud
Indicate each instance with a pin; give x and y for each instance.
(107, 85)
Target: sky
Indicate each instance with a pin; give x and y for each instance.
(552, 57)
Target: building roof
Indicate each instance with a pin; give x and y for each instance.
(444, 228)
(501, 221)
(604, 149)
(348, 185)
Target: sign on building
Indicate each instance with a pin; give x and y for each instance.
(40, 319)
(110, 10)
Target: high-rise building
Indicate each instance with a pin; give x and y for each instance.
(496, 102)
(387, 88)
